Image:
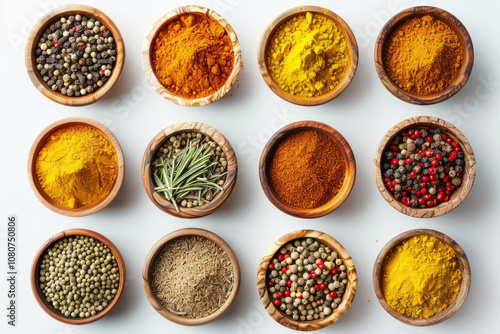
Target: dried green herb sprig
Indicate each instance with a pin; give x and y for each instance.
(188, 174)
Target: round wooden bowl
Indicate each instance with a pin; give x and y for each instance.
(35, 275)
(268, 33)
(453, 307)
(148, 263)
(147, 49)
(35, 184)
(278, 315)
(454, 24)
(469, 173)
(37, 32)
(349, 179)
(150, 157)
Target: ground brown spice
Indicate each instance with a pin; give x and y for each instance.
(307, 169)
(192, 277)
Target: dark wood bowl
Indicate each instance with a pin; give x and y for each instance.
(453, 307)
(349, 179)
(35, 184)
(278, 315)
(150, 157)
(454, 24)
(35, 276)
(147, 48)
(469, 173)
(353, 55)
(148, 263)
(37, 32)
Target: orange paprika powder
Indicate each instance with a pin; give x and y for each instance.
(192, 56)
(307, 169)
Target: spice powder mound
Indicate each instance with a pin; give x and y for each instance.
(77, 166)
(421, 277)
(192, 56)
(192, 277)
(423, 55)
(308, 55)
(307, 169)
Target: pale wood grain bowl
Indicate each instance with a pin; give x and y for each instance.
(333, 203)
(469, 172)
(268, 33)
(278, 315)
(35, 277)
(158, 246)
(37, 32)
(150, 157)
(35, 184)
(453, 307)
(454, 24)
(147, 49)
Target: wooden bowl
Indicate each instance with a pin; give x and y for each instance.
(278, 315)
(35, 184)
(453, 307)
(469, 173)
(35, 275)
(37, 32)
(349, 179)
(150, 156)
(148, 263)
(147, 49)
(353, 55)
(454, 24)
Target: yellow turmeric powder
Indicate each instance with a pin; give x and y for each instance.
(77, 166)
(423, 55)
(307, 55)
(420, 277)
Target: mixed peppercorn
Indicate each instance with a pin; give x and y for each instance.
(423, 166)
(75, 55)
(306, 280)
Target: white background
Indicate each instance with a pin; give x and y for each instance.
(247, 116)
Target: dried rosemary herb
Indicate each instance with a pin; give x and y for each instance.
(192, 277)
(189, 170)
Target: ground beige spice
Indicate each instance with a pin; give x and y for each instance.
(192, 277)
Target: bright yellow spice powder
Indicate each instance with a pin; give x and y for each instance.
(421, 277)
(77, 166)
(307, 55)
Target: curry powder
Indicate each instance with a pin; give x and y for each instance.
(77, 166)
(423, 55)
(192, 56)
(420, 277)
(308, 55)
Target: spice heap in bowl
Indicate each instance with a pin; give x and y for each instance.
(75, 55)
(191, 56)
(190, 169)
(79, 276)
(423, 166)
(191, 276)
(307, 169)
(308, 55)
(306, 280)
(76, 166)
(424, 55)
(421, 277)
